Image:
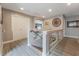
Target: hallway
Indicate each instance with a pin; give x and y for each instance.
(67, 47)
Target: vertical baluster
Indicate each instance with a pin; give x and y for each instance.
(45, 44)
(28, 39)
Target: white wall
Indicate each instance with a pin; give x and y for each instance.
(7, 29)
(71, 32)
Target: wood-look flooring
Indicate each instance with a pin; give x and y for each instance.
(23, 50)
(67, 47)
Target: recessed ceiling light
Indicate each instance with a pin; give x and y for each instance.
(50, 10)
(68, 4)
(21, 8)
(43, 16)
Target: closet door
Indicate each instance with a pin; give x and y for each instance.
(20, 25)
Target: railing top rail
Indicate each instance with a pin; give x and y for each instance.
(54, 30)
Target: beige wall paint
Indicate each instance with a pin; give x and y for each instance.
(7, 30)
(0, 26)
(16, 25)
(0, 31)
(0, 14)
(32, 24)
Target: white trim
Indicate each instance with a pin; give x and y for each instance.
(45, 44)
(47, 54)
(71, 36)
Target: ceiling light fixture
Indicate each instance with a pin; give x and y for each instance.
(50, 10)
(43, 16)
(21, 8)
(68, 4)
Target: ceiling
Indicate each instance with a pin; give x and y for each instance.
(41, 9)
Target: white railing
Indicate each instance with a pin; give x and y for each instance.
(45, 38)
(35, 38)
(47, 35)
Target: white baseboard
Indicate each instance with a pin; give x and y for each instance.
(71, 36)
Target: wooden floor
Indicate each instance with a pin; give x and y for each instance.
(67, 47)
(23, 50)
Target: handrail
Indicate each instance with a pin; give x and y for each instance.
(54, 30)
